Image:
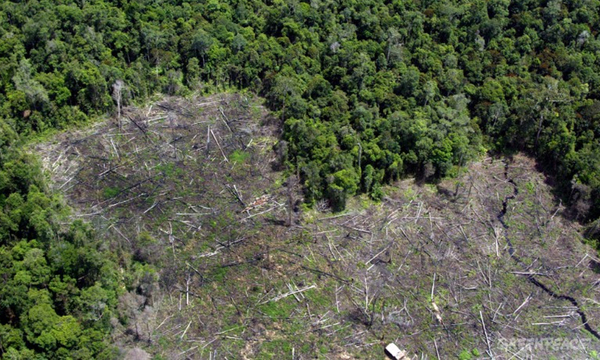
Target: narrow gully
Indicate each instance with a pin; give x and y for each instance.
(531, 278)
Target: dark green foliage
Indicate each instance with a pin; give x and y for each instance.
(55, 283)
(405, 87)
(366, 92)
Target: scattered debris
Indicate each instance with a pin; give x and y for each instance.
(162, 188)
(256, 203)
(437, 313)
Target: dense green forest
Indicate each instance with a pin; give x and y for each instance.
(59, 285)
(367, 92)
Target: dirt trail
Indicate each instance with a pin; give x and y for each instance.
(531, 278)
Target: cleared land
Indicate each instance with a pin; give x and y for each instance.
(461, 268)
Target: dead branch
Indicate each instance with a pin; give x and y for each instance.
(326, 273)
(277, 298)
(529, 297)
(219, 146)
(225, 119)
(120, 233)
(234, 191)
(487, 338)
(185, 331)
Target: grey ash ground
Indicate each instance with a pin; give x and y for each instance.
(234, 268)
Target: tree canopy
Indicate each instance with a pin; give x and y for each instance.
(398, 87)
(367, 91)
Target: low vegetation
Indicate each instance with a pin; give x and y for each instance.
(230, 178)
(228, 265)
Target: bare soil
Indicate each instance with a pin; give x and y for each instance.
(189, 187)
